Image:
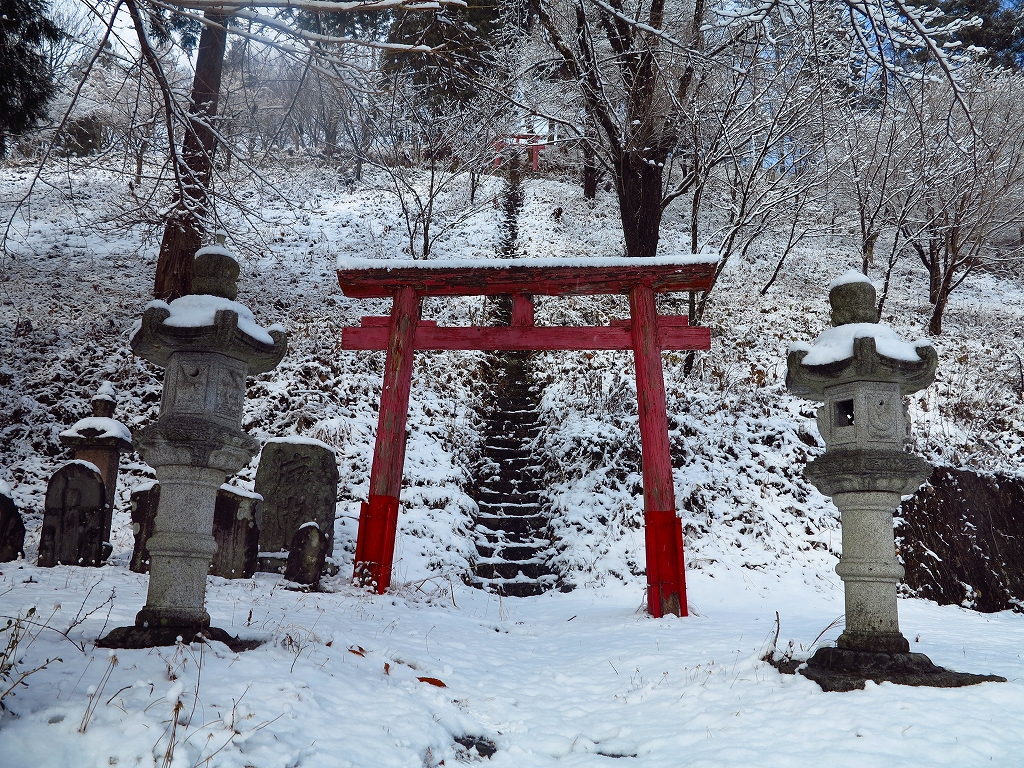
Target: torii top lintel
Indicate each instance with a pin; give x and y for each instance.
(366, 278)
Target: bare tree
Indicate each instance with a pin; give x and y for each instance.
(971, 169)
(425, 149)
(193, 163)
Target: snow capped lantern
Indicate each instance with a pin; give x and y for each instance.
(209, 344)
(860, 370)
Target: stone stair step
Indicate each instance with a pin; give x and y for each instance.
(523, 526)
(489, 538)
(496, 486)
(503, 442)
(511, 512)
(506, 570)
(519, 553)
(507, 588)
(489, 496)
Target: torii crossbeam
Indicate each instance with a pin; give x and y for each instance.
(646, 333)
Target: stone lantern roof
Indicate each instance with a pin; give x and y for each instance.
(858, 347)
(209, 320)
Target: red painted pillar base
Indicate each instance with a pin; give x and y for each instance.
(666, 572)
(378, 521)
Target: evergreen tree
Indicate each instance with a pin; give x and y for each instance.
(26, 82)
(464, 43)
(1001, 33)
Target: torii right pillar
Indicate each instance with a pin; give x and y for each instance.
(666, 571)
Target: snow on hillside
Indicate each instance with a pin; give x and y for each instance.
(561, 678)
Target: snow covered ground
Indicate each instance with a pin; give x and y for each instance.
(557, 679)
(348, 679)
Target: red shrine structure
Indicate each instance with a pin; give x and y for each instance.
(645, 332)
(531, 142)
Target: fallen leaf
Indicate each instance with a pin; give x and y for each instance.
(387, 668)
(432, 681)
(358, 650)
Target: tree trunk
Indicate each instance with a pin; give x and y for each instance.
(589, 172)
(934, 271)
(935, 324)
(330, 138)
(868, 251)
(638, 184)
(944, 288)
(184, 230)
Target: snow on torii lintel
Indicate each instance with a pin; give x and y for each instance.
(346, 263)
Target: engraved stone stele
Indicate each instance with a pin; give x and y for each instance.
(208, 344)
(866, 470)
(73, 511)
(12, 528)
(306, 555)
(298, 480)
(100, 440)
(235, 530)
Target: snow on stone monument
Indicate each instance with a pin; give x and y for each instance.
(208, 344)
(860, 370)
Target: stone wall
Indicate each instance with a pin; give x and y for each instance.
(961, 539)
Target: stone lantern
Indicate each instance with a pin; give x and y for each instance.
(860, 370)
(101, 439)
(208, 344)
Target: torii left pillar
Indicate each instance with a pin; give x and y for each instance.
(663, 530)
(378, 519)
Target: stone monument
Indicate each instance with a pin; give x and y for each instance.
(145, 499)
(306, 555)
(236, 532)
(100, 439)
(208, 344)
(860, 370)
(12, 528)
(298, 480)
(73, 514)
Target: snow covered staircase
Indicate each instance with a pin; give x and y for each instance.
(511, 526)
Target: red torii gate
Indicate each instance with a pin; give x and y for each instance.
(532, 142)
(646, 333)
